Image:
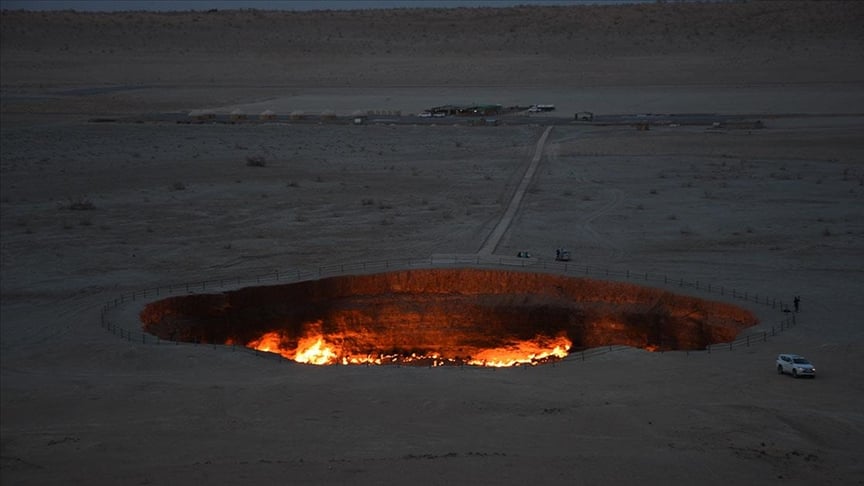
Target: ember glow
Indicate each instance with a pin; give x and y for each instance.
(441, 317)
(524, 352)
(324, 350)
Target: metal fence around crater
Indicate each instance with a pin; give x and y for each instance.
(218, 284)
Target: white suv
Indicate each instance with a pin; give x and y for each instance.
(795, 365)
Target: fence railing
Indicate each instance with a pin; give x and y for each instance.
(217, 284)
(754, 338)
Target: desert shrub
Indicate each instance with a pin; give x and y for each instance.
(82, 203)
(256, 161)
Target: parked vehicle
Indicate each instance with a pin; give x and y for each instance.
(795, 365)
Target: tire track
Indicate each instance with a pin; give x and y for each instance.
(600, 240)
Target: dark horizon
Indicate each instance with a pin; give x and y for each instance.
(297, 5)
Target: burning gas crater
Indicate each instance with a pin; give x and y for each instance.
(436, 317)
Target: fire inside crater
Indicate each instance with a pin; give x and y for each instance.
(445, 317)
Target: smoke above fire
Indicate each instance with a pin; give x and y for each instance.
(440, 317)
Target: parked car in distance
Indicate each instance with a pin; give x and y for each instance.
(795, 365)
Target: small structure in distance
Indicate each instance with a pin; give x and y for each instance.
(541, 108)
(562, 255)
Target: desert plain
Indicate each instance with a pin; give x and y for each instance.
(98, 202)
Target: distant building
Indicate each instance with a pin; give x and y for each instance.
(541, 108)
(267, 115)
(465, 110)
(203, 116)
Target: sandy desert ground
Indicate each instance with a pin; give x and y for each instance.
(777, 211)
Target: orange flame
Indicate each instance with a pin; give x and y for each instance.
(523, 352)
(314, 348)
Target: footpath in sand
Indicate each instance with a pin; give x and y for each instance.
(494, 238)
